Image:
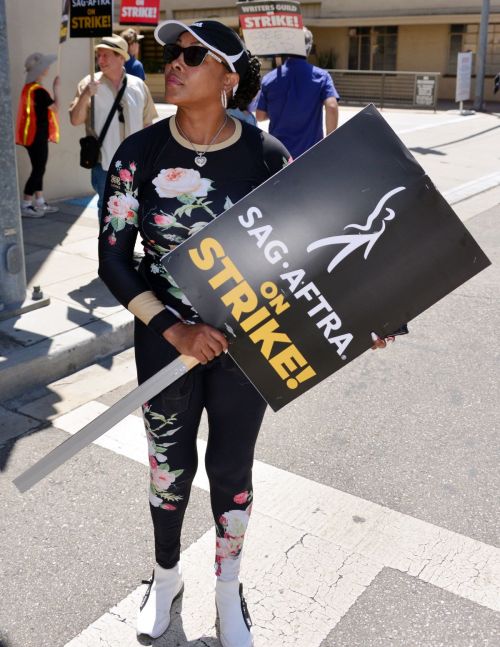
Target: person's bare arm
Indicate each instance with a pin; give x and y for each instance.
(80, 105)
(56, 87)
(331, 114)
(261, 115)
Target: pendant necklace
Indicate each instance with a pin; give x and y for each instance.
(200, 159)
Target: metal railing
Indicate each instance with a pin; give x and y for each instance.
(387, 88)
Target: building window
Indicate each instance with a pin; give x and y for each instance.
(373, 48)
(151, 54)
(384, 42)
(359, 48)
(493, 55)
(457, 45)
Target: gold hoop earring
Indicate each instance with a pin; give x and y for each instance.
(223, 99)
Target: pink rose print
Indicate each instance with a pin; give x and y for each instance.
(222, 548)
(162, 479)
(173, 182)
(125, 175)
(161, 475)
(123, 206)
(163, 220)
(112, 239)
(241, 498)
(133, 167)
(234, 523)
(227, 554)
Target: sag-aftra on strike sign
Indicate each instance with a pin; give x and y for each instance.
(350, 238)
(91, 18)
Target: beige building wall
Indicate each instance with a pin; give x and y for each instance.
(423, 48)
(226, 9)
(423, 38)
(29, 29)
(335, 40)
(402, 7)
(420, 47)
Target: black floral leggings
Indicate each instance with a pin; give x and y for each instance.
(235, 411)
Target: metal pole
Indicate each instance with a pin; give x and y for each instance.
(481, 56)
(12, 272)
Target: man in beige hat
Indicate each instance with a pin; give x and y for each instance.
(135, 111)
(133, 66)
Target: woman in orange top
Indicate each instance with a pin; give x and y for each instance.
(37, 124)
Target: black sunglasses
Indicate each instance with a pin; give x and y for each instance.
(194, 55)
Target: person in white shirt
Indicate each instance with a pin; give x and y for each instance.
(135, 111)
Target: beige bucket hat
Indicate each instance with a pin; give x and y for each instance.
(115, 43)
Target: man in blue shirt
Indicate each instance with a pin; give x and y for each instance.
(293, 97)
(133, 66)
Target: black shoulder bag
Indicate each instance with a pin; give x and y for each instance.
(90, 145)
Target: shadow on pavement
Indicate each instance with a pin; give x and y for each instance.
(41, 236)
(3, 642)
(434, 150)
(426, 151)
(93, 295)
(8, 443)
(175, 634)
(60, 251)
(5, 450)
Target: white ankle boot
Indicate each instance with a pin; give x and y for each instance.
(234, 619)
(154, 613)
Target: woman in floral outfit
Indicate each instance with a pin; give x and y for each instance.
(166, 183)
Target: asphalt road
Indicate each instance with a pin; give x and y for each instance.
(413, 429)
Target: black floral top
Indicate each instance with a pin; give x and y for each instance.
(155, 188)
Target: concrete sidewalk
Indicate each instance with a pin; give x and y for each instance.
(84, 323)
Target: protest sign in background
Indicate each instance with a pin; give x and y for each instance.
(464, 76)
(425, 90)
(139, 12)
(63, 28)
(350, 238)
(272, 28)
(91, 18)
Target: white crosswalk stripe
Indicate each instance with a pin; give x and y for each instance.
(479, 185)
(311, 551)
